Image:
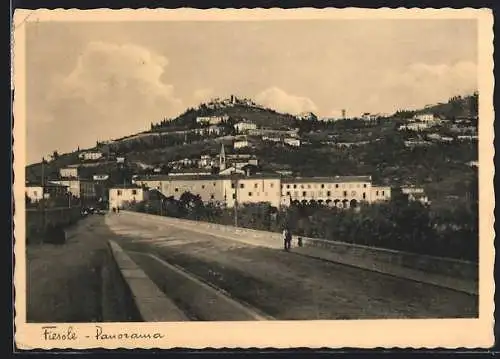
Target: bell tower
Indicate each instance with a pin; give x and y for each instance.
(222, 159)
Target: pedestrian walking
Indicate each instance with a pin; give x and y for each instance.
(287, 238)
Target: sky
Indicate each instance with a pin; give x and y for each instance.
(98, 81)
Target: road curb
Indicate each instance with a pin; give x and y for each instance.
(150, 301)
(216, 293)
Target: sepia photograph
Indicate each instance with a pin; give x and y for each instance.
(180, 169)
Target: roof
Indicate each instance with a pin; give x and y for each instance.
(47, 184)
(207, 177)
(336, 179)
(126, 186)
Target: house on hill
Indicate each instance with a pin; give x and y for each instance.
(244, 126)
(90, 156)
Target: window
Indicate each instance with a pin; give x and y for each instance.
(249, 194)
(304, 194)
(294, 186)
(322, 186)
(176, 190)
(212, 196)
(256, 185)
(232, 185)
(345, 193)
(134, 192)
(376, 193)
(383, 193)
(234, 195)
(308, 186)
(364, 186)
(242, 185)
(214, 184)
(202, 186)
(364, 195)
(336, 186)
(272, 185)
(119, 192)
(288, 193)
(287, 186)
(34, 192)
(301, 186)
(353, 193)
(328, 193)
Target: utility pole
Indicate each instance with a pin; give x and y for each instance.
(236, 202)
(43, 194)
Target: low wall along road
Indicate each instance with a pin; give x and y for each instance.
(36, 219)
(451, 273)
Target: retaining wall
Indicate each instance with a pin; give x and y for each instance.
(34, 219)
(438, 265)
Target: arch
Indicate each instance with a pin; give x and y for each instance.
(295, 202)
(304, 202)
(345, 203)
(320, 202)
(328, 202)
(337, 203)
(353, 203)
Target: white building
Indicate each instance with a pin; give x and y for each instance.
(254, 189)
(80, 188)
(380, 193)
(415, 194)
(122, 196)
(102, 177)
(214, 130)
(35, 191)
(245, 126)
(240, 144)
(68, 172)
(235, 186)
(338, 191)
(90, 156)
(368, 116)
(425, 117)
(212, 120)
(295, 142)
(415, 126)
(467, 138)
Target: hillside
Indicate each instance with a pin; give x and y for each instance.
(456, 107)
(346, 147)
(262, 117)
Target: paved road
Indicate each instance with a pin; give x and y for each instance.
(283, 285)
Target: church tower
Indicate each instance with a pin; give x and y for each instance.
(222, 159)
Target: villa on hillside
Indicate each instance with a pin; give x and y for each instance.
(244, 126)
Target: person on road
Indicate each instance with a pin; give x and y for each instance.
(287, 238)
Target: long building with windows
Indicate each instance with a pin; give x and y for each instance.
(339, 191)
